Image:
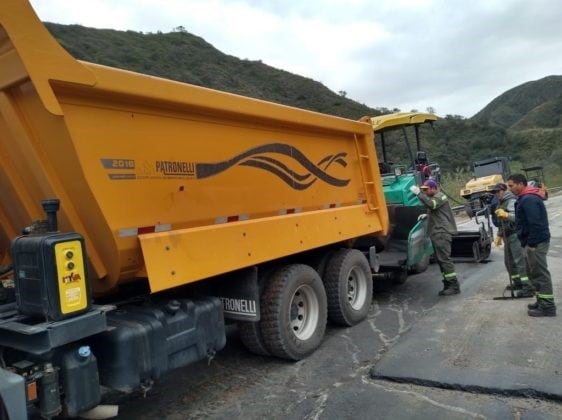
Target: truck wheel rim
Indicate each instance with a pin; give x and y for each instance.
(356, 288)
(304, 312)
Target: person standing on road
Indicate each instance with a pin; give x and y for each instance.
(533, 232)
(441, 227)
(513, 255)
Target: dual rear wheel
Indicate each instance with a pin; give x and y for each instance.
(349, 286)
(295, 304)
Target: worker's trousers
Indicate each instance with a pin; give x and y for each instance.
(514, 259)
(539, 274)
(442, 248)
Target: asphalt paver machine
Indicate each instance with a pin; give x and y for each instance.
(398, 138)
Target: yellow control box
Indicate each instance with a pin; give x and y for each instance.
(71, 276)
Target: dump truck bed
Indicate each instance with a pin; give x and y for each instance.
(166, 180)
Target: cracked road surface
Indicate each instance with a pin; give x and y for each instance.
(336, 383)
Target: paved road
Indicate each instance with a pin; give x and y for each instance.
(336, 383)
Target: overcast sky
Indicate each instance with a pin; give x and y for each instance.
(452, 55)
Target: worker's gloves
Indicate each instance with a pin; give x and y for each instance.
(422, 216)
(502, 214)
(498, 241)
(415, 189)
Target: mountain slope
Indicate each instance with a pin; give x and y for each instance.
(512, 106)
(547, 115)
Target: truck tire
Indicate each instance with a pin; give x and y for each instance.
(251, 337)
(293, 312)
(349, 287)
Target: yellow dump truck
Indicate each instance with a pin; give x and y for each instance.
(138, 215)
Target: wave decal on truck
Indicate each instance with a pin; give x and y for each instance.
(257, 157)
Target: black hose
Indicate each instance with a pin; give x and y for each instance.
(450, 197)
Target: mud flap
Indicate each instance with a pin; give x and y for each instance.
(239, 293)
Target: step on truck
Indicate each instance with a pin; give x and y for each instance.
(138, 215)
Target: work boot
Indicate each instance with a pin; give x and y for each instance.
(534, 305)
(526, 292)
(545, 307)
(453, 288)
(445, 287)
(542, 311)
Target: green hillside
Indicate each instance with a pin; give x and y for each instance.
(510, 107)
(547, 115)
(531, 113)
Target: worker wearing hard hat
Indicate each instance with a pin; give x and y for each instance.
(441, 227)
